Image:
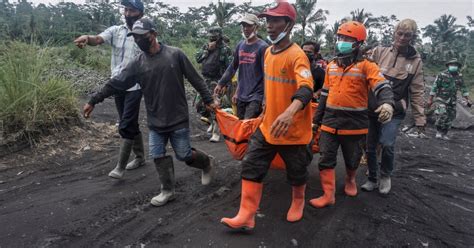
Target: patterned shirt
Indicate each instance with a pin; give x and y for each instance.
(446, 86)
(123, 48)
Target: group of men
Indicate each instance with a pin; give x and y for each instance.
(360, 95)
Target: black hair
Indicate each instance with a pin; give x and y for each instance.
(316, 45)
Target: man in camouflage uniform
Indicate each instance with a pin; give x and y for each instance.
(214, 57)
(445, 87)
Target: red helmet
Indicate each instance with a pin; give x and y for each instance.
(283, 9)
(353, 29)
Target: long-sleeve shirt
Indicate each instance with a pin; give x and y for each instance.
(248, 60)
(446, 86)
(161, 77)
(404, 70)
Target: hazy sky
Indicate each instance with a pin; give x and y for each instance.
(423, 11)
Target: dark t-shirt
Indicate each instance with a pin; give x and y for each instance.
(161, 77)
(248, 59)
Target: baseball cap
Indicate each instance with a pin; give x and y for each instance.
(136, 4)
(142, 26)
(249, 19)
(283, 9)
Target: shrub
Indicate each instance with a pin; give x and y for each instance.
(32, 98)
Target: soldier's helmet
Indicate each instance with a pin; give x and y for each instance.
(214, 31)
(454, 62)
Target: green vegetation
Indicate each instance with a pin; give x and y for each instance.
(31, 98)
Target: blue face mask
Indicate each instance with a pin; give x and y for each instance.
(279, 37)
(452, 68)
(344, 47)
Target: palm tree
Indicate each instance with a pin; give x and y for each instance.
(307, 13)
(223, 12)
(330, 35)
(443, 30)
(363, 17)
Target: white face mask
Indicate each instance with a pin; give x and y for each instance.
(280, 36)
(253, 34)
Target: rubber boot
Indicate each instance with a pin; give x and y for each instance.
(216, 134)
(328, 183)
(249, 202)
(350, 187)
(297, 204)
(204, 162)
(210, 128)
(124, 154)
(164, 167)
(139, 152)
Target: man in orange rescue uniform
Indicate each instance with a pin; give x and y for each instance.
(342, 111)
(286, 125)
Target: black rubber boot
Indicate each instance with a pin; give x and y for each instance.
(139, 151)
(165, 168)
(204, 162)
(124, 154)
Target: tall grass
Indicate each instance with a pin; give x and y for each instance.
(30, 98)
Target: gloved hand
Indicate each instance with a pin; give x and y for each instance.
(385, 113)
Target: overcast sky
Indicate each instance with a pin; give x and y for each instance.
(423, 11)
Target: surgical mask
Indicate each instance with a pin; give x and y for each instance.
(144, 44)
(344, 47)
(253, 34)
(130, 20)
(280, 36)
(452, 68)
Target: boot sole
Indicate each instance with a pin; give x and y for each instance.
(114, 176)
(136, 167)
(162, 204)
(242, 228)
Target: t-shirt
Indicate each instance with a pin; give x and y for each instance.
(161, 77)
(248, 60)
(286, 72)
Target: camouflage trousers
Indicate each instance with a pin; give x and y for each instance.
(445, 115)
(224, 100)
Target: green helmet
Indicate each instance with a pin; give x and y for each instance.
(454, 62)
(215, 30)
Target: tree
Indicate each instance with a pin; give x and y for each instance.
(448, 39)
(363, 17)
(307, 13)
(223, 12)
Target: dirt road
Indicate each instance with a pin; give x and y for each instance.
(59, 195)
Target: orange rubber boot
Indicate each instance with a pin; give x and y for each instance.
(351, 187)
(328, 182)
(250, 199)
(297, 204)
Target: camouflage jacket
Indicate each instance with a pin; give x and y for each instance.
(446, 86)
(215, 62)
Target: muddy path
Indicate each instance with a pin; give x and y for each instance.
(59, 195)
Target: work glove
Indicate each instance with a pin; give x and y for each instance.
(385, 113)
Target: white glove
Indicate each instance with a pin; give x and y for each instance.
(385, 113)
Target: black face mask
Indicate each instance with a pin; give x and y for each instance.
(310, 57)
(130, 20)
(144, 44)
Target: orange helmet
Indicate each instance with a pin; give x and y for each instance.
(353, 29)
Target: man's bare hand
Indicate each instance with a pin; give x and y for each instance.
(234, 98)
(87, 110)
(281, 124)
(82, 41)
(219, 90)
